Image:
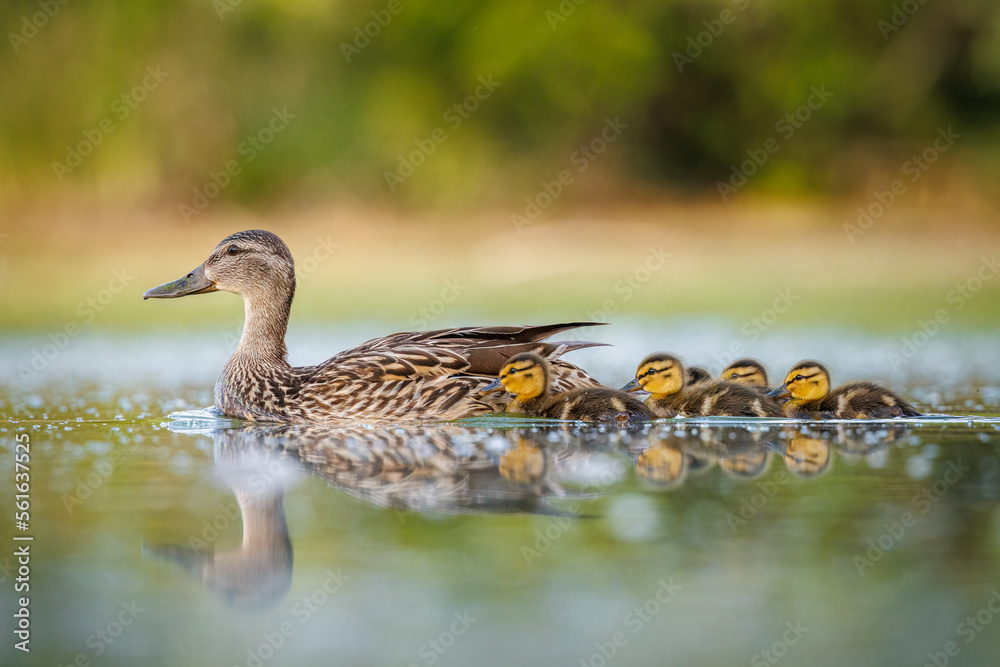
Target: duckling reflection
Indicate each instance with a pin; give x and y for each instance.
(747, 464)
(525, 464)
(663, 464)
(257, 574)
(807, 456)
(742, 452)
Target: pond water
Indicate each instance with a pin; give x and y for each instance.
(163, 534)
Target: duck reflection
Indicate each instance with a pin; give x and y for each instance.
(455, 469)
(256, 574)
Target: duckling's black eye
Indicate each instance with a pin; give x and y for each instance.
(511, 371)
(233, 250)
(800, 377)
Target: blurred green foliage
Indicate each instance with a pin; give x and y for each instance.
(363, 101)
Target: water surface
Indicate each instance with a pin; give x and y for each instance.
(164, 535)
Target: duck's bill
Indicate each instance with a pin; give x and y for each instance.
(632, 386)
(496, 385)
(193, 283)
(779, 392)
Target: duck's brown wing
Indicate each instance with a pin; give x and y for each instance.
(484, 349)
(430, 375)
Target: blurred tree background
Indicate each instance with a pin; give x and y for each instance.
(698, 84)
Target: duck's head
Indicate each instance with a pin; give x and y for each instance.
(807, 381)
(525, 375)
(249, 263)
(658, 374)
(746, 371)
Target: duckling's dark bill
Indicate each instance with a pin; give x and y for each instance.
(632, 386)
(496, 385)
(779, 392)
(193, 283)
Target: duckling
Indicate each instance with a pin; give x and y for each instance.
(410, 375)
(662, 375)
(808, 386)
(528, 377)
(748, 372)
(695, 374)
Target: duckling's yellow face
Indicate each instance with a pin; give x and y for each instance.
(660, 376)
(751, 376)
(807, 457)
(525, 378)
(807, 382)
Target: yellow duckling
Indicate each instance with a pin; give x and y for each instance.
(662, 375)
(529, 378)
(749, 372)
(808, 386)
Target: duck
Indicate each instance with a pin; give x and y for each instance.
(748, 372)
(662, 375)
(807, 388)
(411, 375)
(528, 377)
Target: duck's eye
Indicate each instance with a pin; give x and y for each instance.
(799, 377)
(233, 250)
(511, 371)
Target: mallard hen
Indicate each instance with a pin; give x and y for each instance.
(413, 375)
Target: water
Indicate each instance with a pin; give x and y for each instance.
(189, 539)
